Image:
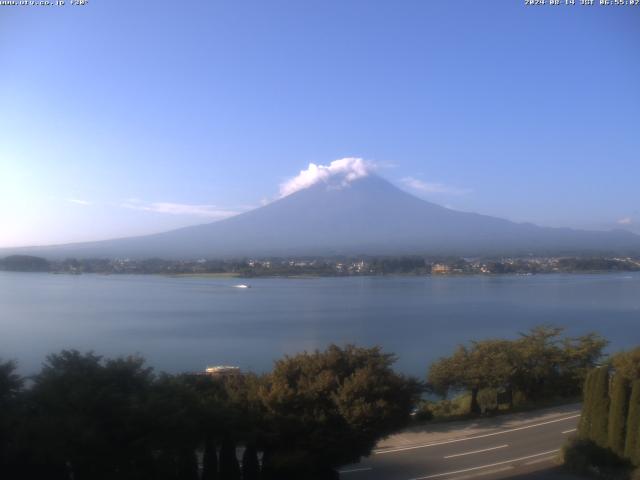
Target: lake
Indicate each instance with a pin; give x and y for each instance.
(186, 323)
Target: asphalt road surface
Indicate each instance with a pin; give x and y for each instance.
(505, 452)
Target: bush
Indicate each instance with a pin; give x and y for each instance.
(586, 457)
(456, 407)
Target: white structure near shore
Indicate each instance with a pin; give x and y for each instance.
(222, 371)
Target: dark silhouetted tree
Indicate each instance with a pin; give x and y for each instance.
(10, 387)
(166, 466)
(229, 466)
(267, 468)
(89, 415)
(250, 464)
(209, 461)
(187, 465)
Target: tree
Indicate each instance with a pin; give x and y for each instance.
(491, 367)
(627, 364)
(24, 263)
(209, 460)
(486, 366)
(538, 359)
(539, 364)
(449, 373)
(166, 466)
(187, 465)
(10, 382)
(88, 416)
(632, 443)
(579, 356)
(329, 408)
(467, 370)
(173, 406)
(487, 399)
(586, 418)
(250, 464)
(618, 413)
(268, 469)
(229, 466)
(599, 431)
(10, 388)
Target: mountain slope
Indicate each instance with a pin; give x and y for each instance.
(368, 216)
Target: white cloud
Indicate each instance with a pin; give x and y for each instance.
(428, 187)
(345, 169)
(206, 211)
(625, 221)
(78, 201)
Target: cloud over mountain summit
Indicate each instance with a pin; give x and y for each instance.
(340, 172)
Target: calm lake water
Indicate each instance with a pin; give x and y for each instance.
(183, 324)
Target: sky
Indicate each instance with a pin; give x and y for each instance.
(123, 118)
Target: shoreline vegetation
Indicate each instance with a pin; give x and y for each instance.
(84, 417)
(541, 367)
(204, 275)
(88, 417)
(326, 267)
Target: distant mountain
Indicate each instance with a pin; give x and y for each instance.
(367, 216)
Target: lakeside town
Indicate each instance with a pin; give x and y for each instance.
(338, 266)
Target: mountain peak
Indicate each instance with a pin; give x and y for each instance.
(347, 209)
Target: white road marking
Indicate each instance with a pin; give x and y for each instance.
(477, 451)
(354, 470)
(540, 460)
(402, 449)
(569, 431)
(436, 475)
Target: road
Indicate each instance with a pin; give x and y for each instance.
(496, 449)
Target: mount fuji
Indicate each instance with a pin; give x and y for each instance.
(365, 216)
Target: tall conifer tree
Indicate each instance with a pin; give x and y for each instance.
(599, 431)
(632, 443)
(584, 428)
(618, 413)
